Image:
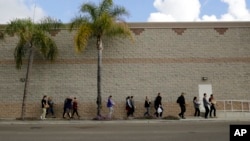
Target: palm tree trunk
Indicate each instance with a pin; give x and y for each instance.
(99, 76)
(30, 62)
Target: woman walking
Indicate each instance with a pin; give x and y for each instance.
(147, 106)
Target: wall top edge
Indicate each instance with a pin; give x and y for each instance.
(189, 24)
(243, 24)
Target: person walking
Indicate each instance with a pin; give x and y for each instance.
(157, 104)
(182, 104)
(75, 108)
(44, 106)
(110, 105)
(196, 107)
(64, 107)
(68, 107)
(212, 107)
(51, 107)
(206, 105)
(147, 106)
(128, 106)
(133, 105)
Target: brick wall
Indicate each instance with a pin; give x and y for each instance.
(165, 57)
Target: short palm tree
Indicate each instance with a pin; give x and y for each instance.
(98, 21)
(32, 37)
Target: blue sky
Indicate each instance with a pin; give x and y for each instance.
(140, 10)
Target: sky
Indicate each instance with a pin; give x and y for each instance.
(140, 10)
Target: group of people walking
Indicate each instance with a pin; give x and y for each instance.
(47, 107)
(130, 106)
(70, 107)
(209, 105)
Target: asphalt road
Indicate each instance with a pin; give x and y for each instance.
(119, 131)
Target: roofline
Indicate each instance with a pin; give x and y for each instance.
(243, 24)
(188, 24)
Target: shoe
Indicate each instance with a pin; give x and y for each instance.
(180, 115)
(41, 117)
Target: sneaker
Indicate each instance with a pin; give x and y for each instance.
(180, 115)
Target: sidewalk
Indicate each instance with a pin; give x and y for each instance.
(145, 121)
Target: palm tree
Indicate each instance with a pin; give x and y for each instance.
(98, 21)
(32, 37)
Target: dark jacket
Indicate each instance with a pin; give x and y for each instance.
(157, 101)
(68, 103)
(181, 100)
(147, 103)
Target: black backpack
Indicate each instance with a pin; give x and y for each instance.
(178, 100)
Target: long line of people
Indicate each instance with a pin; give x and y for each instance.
(71, 106)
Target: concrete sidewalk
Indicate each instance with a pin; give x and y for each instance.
(64, 121)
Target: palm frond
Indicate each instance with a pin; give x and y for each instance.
(53, 51)
(48, 23)
(39, 41)
(19, 26)
(20, 52)
(91, 9)
(78, 21)
(119, 29)
(105, 6)
(46, 46)
(82, 37)
(102, 23)
(99, 21)
(1, 35)
(118, 11)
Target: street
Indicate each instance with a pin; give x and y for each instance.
(118, 131)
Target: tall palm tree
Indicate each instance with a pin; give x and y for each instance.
(98, 21)
(32, 37)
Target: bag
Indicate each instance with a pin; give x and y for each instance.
(159, 110)
(178, 100)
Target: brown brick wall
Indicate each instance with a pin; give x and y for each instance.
(165, 57)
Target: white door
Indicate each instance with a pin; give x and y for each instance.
(204, 88)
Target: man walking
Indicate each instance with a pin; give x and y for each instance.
(181, 101)
(157, 104)
(206, 105)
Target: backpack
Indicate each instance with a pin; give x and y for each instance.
(178, 100)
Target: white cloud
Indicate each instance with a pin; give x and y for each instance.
(189, 10)
(176, 10)
(209, 18)
(237, 10)
(12, 9)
